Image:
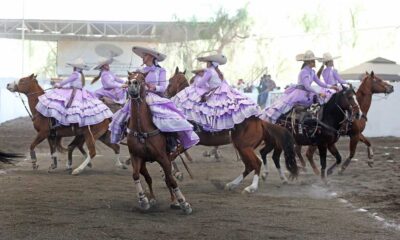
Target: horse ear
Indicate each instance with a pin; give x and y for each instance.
(366, 72)
(34, 76)
(176, 70)
(344, 87)
(129, 73)
(31, 76)
(184, 72)
(372, 73)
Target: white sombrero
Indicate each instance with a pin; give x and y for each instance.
(307, 56)
(326, 57)
(141, 51)
(101, 62)
(218, 58)
(78, 63)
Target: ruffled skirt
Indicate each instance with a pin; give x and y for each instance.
(84, 110)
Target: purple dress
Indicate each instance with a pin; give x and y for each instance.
(112, 87)
(331, 77)
(85, 109)
(224, 107)
(166, 116)
(300, 94)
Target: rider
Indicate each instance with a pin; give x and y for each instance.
(166, 116)
(214, 105)
(329, 74)
(70, 103)
(300, 94)
(113, 86)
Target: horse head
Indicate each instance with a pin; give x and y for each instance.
(137, 84)
(176, 83)
(24, 85)
(376, 84)
(346, 100)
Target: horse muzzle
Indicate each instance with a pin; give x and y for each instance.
(12, 87)
(389, 89)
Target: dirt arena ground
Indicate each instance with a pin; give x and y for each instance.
(101, 203)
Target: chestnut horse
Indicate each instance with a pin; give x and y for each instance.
(147, 143)
(327, 130)
(370, 84)
(31, 88)
(245, 137)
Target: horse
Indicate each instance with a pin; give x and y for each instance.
(326, 131)
(31, 88)
(245, 137)
(147, 143)
(370, 84)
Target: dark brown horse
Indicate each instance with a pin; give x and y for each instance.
(245, 137)
(31, 88)
(326, 132)
(147, 144)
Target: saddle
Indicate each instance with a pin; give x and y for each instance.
(113, 106)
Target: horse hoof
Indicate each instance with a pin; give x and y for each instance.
(144, 204)
(179, 176)
(329, 172)
(121, 166)
(264, 176)
(76, 172)
(317, 172)
(152, 202)
(285, 182)
(230, 186)
(370, 163)
(249, 190)
(89, 165)
(35, 166)
(175, 206)
(186, 208)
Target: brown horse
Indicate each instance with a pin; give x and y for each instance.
(31, 88)
(245, 137)
(147, 143)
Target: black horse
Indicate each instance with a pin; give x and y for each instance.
(323, 132)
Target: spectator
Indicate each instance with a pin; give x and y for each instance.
(266, 85)
(248, 88)
(240, 85)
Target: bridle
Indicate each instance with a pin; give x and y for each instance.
(140, 135)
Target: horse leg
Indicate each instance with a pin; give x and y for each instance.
(256, 165)
(39, 138)
(264, 152)
(149, 181)
(115, 147)
(333, 150)
(52, 142)
(176, 172)
(171, 183)
(216, 153)
(143, 201)
(297, 150)
(90, 143)
(322, 154)
(78, 141)
(276, 157)
(353, 146)
(248, 167)
(370, 151)
(309, 154)
(187, 155)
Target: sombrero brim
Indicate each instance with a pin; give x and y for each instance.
(102, 63)
(220, 59)
(328, 59)
(301, 57)
(80, 66)
(141, 51)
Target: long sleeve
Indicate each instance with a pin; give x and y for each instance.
(305, 80)
(74, 76)
(319, 82)
(108, 81)
(337, 77)
(117, 79)
(161, 86)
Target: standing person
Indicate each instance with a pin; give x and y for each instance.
(240, 85)
(70, 103)
(270, 87)
(262, 91)
(166, 116)
(215, 106)
(113, 87)
(300, 94)
(330, 74)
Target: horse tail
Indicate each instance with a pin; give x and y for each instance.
(284, 139)
(288, 151)
(8, 157)
(59, 145)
